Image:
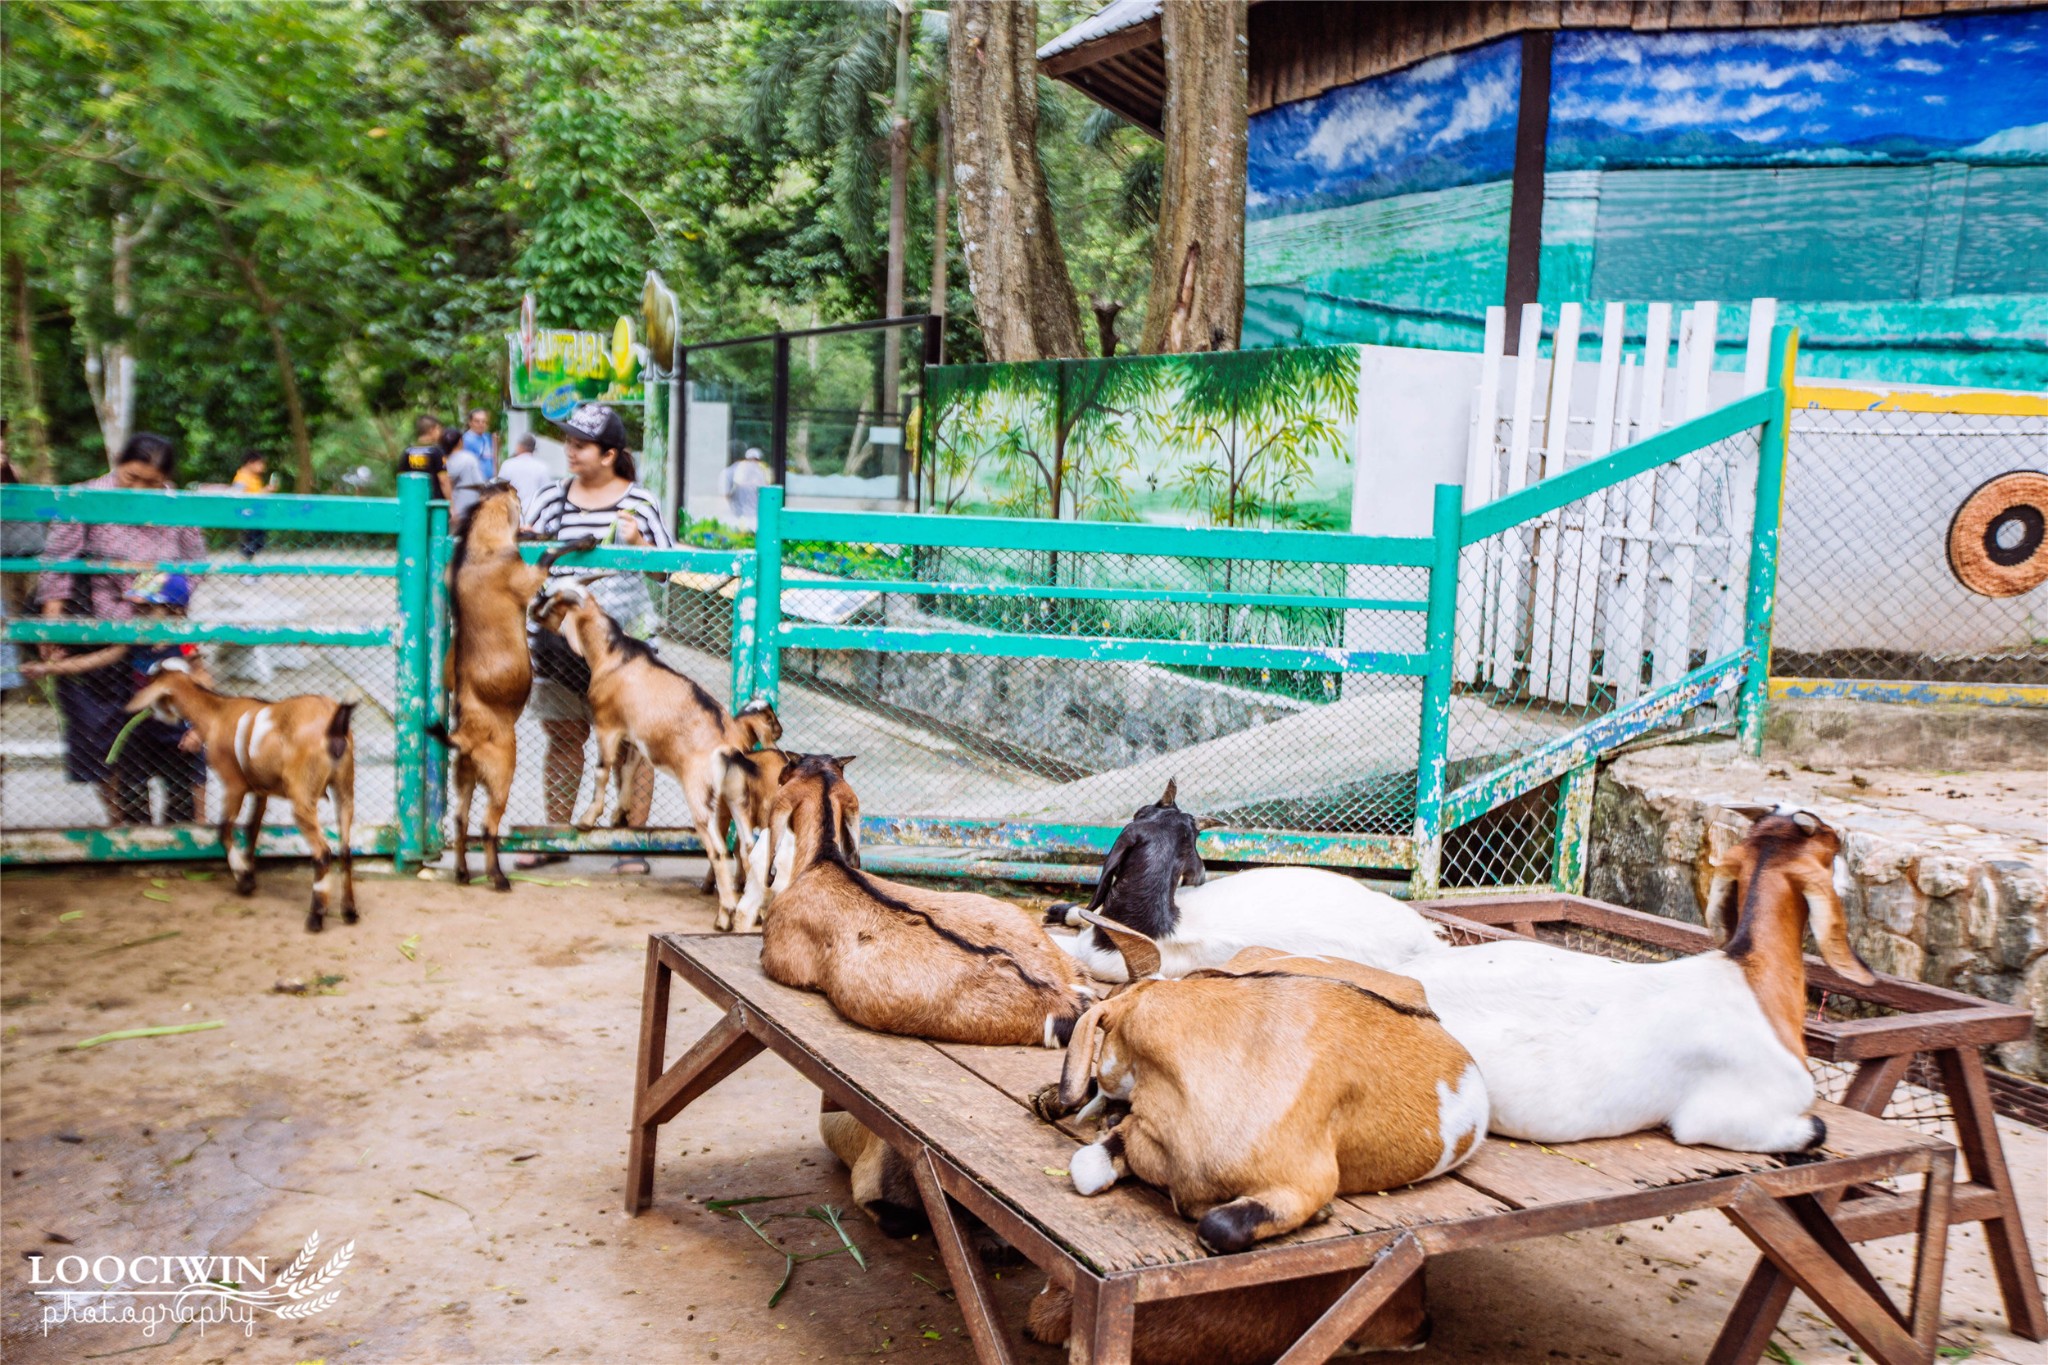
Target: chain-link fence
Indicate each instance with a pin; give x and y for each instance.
(263, 597)
(1881, 504)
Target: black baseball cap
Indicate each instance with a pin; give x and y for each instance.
(595, 422)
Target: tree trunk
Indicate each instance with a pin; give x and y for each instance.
(1022, 293)
(1105, 325)
(34, 436)
(287, 375)
(899, 209)
(942, 185)
(1197, 297)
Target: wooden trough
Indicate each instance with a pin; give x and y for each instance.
(960, 1116)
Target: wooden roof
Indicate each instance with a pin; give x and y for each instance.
(1301, 48)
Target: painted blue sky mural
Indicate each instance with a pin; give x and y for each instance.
(1448, 121)
(1973, 88)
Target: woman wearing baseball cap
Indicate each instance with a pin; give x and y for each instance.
(599, 499)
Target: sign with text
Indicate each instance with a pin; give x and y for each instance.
(552, 369)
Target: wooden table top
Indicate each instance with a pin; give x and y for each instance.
(971, 1103)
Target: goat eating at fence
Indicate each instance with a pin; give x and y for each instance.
(1153, 882)
(489, 671)
(644, 711)
(297, 748)
(951, 966)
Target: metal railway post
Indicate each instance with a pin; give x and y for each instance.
(746, 608)
(1433, 744)
(434, 756)
(412, 641)
(1761, 602)
(768, 597)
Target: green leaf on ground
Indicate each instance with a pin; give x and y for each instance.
(409, 948)
(163, 1031)
(70, 915)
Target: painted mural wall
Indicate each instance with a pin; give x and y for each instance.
(1888, 183)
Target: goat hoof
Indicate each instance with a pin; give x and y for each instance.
(245, 886)
(1056, 915)
(461, 875)
(315, 922)
(501, 882)
(1820, 1135)
(349, 915)
(1232, 1227)
(1045, 1102)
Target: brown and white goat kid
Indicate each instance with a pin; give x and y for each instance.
(489, 672)
(1711, 1046)
(746, 793)
(946, 965)
(297, 748)
(643, 710)
(1260, 1091)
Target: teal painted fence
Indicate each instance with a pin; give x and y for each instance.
(925, 578)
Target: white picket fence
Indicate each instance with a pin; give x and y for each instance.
(1654, 568)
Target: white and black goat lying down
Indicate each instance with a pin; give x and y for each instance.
(1153, 882)
(1575, 1046)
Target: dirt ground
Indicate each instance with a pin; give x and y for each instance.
(454, 1102)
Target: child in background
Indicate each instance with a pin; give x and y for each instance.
(152, 749)
(252, 478)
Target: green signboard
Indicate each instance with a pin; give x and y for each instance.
(555, 370)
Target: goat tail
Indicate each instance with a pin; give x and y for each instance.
(337, 729)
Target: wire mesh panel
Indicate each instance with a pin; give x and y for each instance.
(1868, 587)
(1288, 743)
(259, 609)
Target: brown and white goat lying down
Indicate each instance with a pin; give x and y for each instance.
(297, 748)
(489, 673)
(1260, 1091)
(950, 966)
(643, 710)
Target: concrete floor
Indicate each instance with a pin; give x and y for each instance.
(457, 1106)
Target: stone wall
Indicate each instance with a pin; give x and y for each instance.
(1927, 902)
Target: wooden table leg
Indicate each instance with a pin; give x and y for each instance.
(1105, 1319)
(725, 1049)
(1931, 1256)
(1969, 1097)
(1800, 1237)
(1765, 1294)
(963, 1265)
(1364, 1298)
(646, 1070)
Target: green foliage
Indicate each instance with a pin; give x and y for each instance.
(1255, 422)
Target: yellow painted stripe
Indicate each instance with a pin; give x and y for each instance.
(1978, 403)
(1917, 693)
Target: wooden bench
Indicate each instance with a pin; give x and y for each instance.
(959, 1115)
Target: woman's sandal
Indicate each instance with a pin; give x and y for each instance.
(632, 866)
(527, 862)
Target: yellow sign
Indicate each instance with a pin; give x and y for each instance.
(622, 347)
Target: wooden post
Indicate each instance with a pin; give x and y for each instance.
(1525, 206)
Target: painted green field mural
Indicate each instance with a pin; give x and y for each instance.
(1238, 438)
(1888, 183)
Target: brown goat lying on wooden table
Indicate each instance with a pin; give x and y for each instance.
(297, 748)
(644, 711)
(954, 967)
(489, 671)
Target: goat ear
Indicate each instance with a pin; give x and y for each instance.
(788, 769)
(1830, 925)
(1077, 1074)
(843, 759)
(1722, 904)
(1750, 812)
(1172, 786)
(574, 638)
(1140, 953)
(1808, 822)
(1209, 822)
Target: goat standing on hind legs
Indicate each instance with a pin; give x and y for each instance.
(297, 748)
(489, 671)
(644, 711)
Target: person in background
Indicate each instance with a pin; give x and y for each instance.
(744, 479)
(18, 540)
(527, 474)
(600, 499)
(478, 441)
(152, 749)
(252, 478)
(92, 701)
(423, 456)
(463, 475)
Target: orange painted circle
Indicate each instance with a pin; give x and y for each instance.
(1998, 538)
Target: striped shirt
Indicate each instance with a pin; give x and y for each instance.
(623, 595)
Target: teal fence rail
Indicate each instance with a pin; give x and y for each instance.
(1013, 689)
